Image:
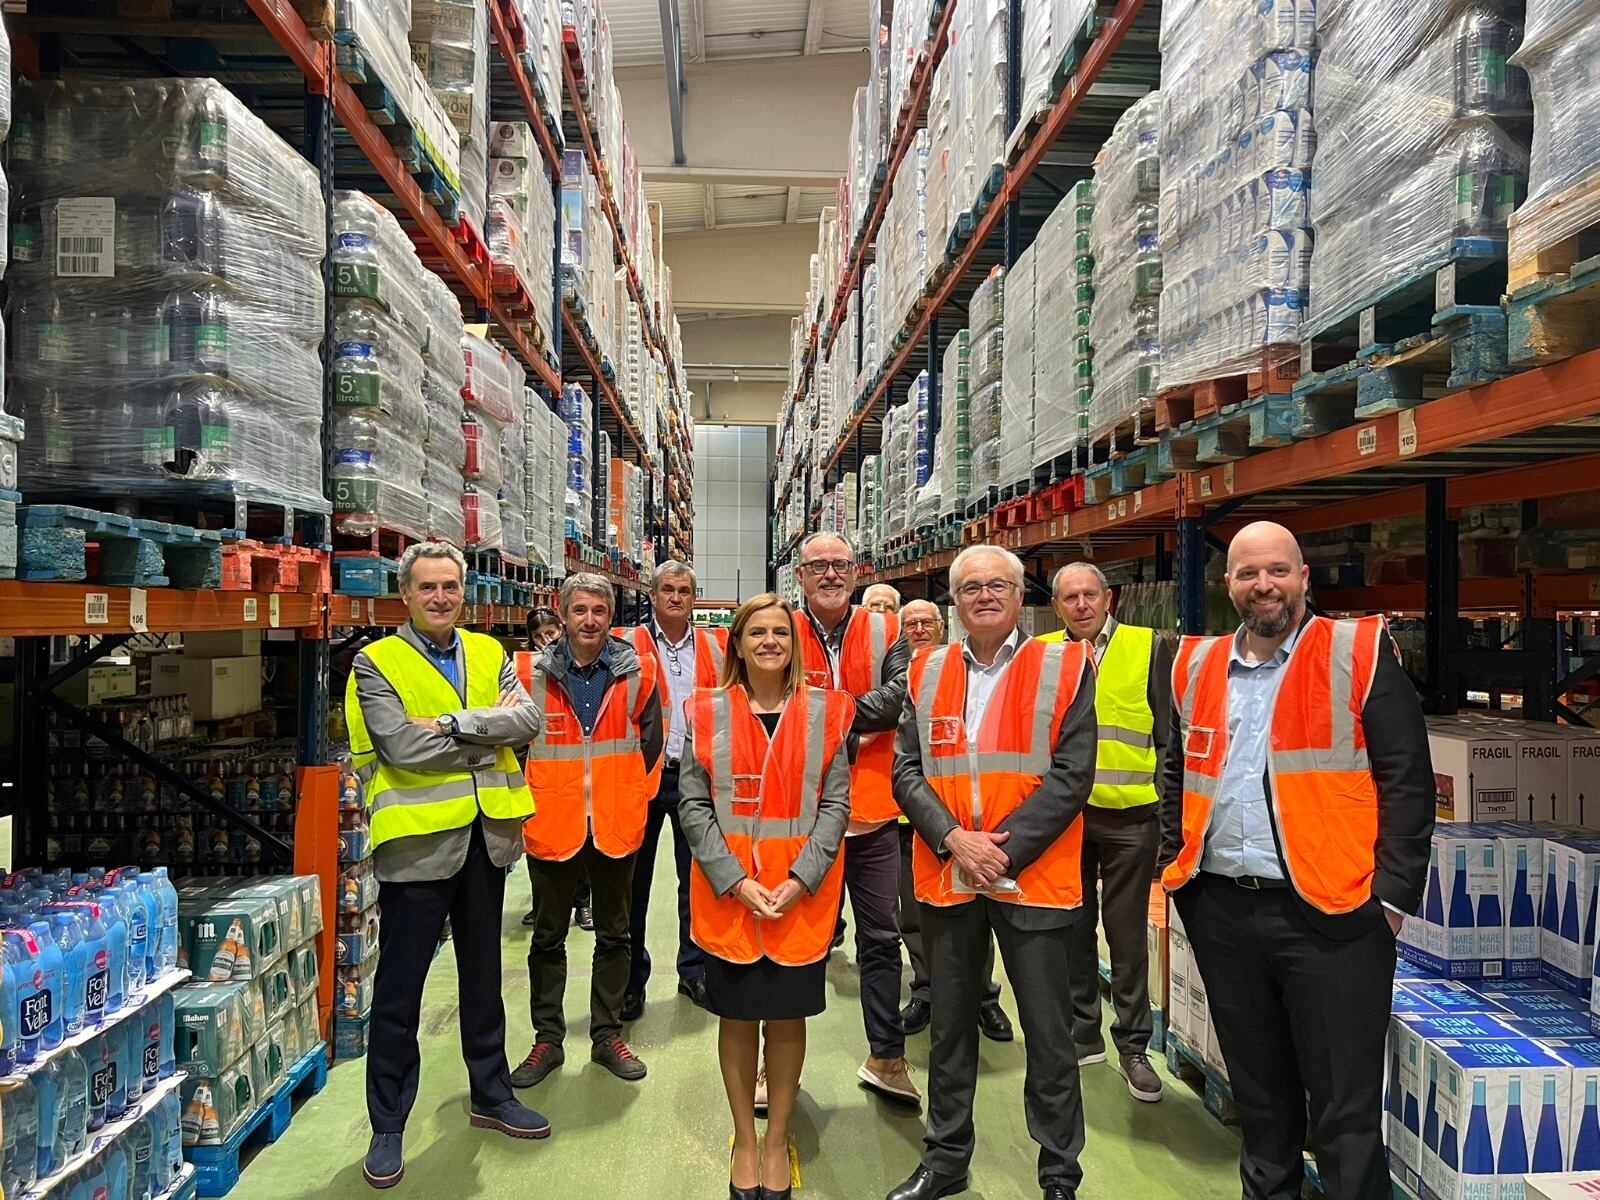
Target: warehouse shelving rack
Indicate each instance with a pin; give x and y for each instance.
(1528, 437)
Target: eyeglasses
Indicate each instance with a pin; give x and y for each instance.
(821, 566)
(995, 587)
(920, 623)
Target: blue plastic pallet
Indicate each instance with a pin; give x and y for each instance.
(365, 575)
(1555, 319)
(216, 1168)
(134, 552)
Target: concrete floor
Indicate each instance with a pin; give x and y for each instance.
(667, 1136)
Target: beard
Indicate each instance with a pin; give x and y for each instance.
(1287, 616)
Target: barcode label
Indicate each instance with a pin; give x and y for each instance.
(1501, 802)
(96, 608)
(86, 236)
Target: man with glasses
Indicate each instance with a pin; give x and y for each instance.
(994, 761)
(862, 653)
(880, 598)
(923, 627)
(1121, 833)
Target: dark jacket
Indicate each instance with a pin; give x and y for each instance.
(877, 710)
(557, 661)
(1397, 748)
(1035, 824)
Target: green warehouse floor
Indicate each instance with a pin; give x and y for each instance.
(667, 1136)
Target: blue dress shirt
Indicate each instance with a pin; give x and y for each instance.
(444, 659)
(586, 687)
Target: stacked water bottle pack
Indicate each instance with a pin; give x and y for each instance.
(986, 362)
(952, 458)
(166, 294)
(444, 441)
(1064, 278)
(1123, 239)
(521, 234)
(357, 964)
(250, 1014)
(1560, 46)
(87, 1034)
(381, 322)
(494, 397)
(1236, 147)
(1422, 134)
(577, 413)
(1017, 372)
(544, 481)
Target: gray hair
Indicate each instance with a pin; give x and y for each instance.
(1055, 580)
(671, 569)
(850, 546)
(873, 587)
(586, 581)
(934, 608)
(1013, 564)
(430, 550)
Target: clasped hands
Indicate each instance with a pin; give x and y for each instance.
(978, 856)
(767, 904)
(509, 698)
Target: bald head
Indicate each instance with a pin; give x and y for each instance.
(1267, 580)
(921, 624)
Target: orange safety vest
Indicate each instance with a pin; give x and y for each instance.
(766, 793)
(595, 784)
(983, 783)
(1320, 792)
(710, 647)
(866, 643)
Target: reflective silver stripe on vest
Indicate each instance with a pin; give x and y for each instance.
(1202, 652)
(1338, 758)
(1341, 678)
(714, 651)
(878, 639)
(1034, 760)
(1123, 778)
(1037, 759)
(1202, 785)
(1128, 737)
(925, 694)
(432, 793)
(722, 777)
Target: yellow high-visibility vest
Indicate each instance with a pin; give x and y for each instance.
(405, 803)
(1125, 758)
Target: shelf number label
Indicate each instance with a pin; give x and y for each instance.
(1367, 440)
(355, 610)
(274, 613)
(252, 607)
(96, 608)
(1205, 486)
(138, 610)
(1408, 431)
(1138, 501)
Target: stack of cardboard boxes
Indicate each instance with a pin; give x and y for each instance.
(251, 1012)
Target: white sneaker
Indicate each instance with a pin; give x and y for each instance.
(890, 1078)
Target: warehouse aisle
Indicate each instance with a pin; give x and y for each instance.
(666, 1137)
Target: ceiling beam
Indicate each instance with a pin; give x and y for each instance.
(672, 44)
(791, 206)
(710, 204)
(813, 41)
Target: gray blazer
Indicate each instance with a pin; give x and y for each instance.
(401, 744)
(1035, 824)
(698, 820)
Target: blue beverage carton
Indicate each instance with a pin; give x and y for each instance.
(1460, 931)
(1449, 995)
(1567, 912)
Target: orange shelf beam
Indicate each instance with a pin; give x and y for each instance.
(500, 28)
(607, 390)
(29, 609)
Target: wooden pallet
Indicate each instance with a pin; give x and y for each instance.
(1579, 206)
(1236, 432)
(68, 543)
(1125, 472)
(1271, 371)
(1187, 1065)
(217, 1167)
(1555, 317)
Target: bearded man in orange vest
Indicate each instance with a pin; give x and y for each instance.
(994, 762)
(592, 771)
(850, 649)
(1295, 828)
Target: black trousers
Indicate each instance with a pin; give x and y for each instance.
(663, 811)
(611, 881)
(1121, 853)
(411, 916)
(911, 927)
(1036, 962)
(872, 878)
(1298, 1014)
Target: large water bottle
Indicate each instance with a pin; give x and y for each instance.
(49, 1086)
(150, 897)
(101, 1061)
(45, 1013)
(128, 1045)
(19, 1116)
(72, 1131)
(171, 1129)
(83, 941)
(142, 1161)
(97, 953)
(116, 1173)
(125, 894)
(169, 918)
(166, 1009)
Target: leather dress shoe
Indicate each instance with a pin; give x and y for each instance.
(695, 989)
(994, 1023)
(914, 1017)
(925, 1185)
(632, 1006)
(1057, 1191)
(586, 917)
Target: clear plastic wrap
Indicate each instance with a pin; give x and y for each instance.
(1421, 144)
(1062, 291)
(1124, 240)
(165, 295)
(444, 49)
(1560, 50)
(1017, 398)
(1236, 146)
(480, 513)
(521, 216)
(953, 458)
(494, 379)
(985, 368)
(577, 413)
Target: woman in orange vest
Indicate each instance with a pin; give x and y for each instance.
(765, 798)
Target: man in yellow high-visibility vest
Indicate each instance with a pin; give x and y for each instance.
(1121, 834)
(436, 715)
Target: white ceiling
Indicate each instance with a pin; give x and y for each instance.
(723, 29)
(687, 208)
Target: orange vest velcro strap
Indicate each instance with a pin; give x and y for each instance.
(595, 784)
(1322, 798)
(982, 776)
(766, 793)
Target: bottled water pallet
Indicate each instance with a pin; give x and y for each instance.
(1437, 328)
(1186, 1064)
(1071, 54)
(1555, 317)
(217, 1167)
(53, 543)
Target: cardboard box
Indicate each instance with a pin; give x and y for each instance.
(1583, 776)
(231, 938)
(102, 682)
(223, 643)
(217, 688)
(1180, 968)
(1573, 1185)
(1566, 917)
(1460, 932)
(215, 1024)
(1405, 1094)
(1474, 773)
(215, 1105)
(512, 139)
(1156, 950)
(1582, 1055)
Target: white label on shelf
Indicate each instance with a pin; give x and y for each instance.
(1367, 440)
(86, 236)
(1227, 478)
(355, 610)
(1066, 526)
(274, 613)
(1408, 431)
(1122, 507)
(96, 608)
(1205, 486)
(1138, 501)
(138, 610)
(372, 612)
(251, 608)
(1111, 511)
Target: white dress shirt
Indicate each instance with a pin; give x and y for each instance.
(677, 665)
(982, 681)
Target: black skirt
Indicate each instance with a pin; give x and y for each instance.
(765, 990)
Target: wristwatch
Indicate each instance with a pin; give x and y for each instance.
(448, 725)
